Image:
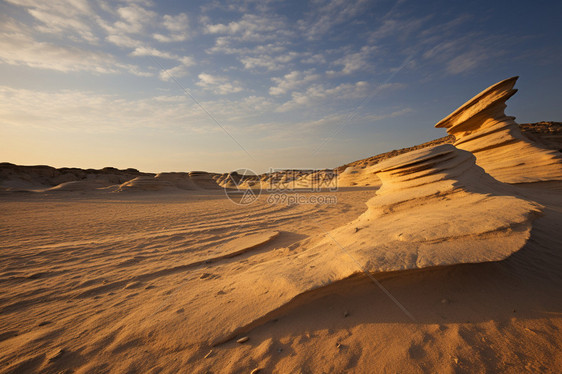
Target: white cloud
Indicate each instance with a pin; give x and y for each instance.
(83, 111)
(439, 43)
(268, 62)
(179, 70)
(437, 32)
(399, 28)
(334, 123)
(129, 24)
(238, 112)
(291, 81)
(465, 53)
(125, 26)
(394, 114)
(177, 26)
(218, 85)
(226, 45)
(314, 59)
(329, 13)
(259, 41)
(122, 40)
(282, 131)
(257, 104)
(356, 61)
(318, 93)
(92, 112)
(134, 19)
(17, 47)
(146, 51)
(251, 27)
(467, 61)
(69, 18)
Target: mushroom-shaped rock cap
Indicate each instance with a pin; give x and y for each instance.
(481, 127)
(485, 103)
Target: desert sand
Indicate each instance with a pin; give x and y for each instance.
(441, 258)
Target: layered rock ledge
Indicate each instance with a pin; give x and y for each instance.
(480, 126)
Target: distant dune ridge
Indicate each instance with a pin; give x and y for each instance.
(546, 134)
(41, 178)
(14, 178)
(171, 181)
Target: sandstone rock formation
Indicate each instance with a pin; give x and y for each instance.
(547, 133)
(480, 126)
(436, 207)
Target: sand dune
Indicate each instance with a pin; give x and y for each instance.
(178, 180)
(172, 181)
(146, 183)
(83, 185)
(354, 176)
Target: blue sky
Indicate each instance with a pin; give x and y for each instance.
(296, 84)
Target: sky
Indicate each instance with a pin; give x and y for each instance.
(224, 85)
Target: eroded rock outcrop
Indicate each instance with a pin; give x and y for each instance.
(436, 207)
(480, 126)
(42, 178)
